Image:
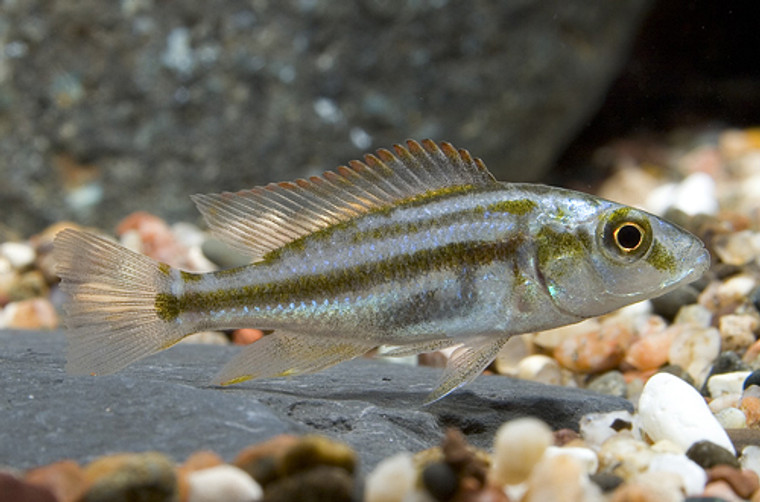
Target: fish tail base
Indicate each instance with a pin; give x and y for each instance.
(111, 305)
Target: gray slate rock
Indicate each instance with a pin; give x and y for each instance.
(164, 403)
(108, 108)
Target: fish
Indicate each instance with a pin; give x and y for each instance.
(413, 249)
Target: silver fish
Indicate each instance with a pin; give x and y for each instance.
(418, 248)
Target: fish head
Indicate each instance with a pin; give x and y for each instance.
(601, 259)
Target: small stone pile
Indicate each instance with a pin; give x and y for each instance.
(672, 448)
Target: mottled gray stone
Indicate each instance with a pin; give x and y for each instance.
(164, 403)
(107, 108)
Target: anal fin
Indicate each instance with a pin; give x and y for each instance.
(467, 362)
(284, 354)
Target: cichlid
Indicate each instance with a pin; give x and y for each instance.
(418, 248)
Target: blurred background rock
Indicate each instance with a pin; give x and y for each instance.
(111, 107)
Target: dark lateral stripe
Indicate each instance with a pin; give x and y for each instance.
(340, 282)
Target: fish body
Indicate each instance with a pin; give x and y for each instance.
(415, 249)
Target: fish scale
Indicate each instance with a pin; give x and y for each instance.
(413, 249)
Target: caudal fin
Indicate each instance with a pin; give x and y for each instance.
(110, 303)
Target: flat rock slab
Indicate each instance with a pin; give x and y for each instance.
(165, 403)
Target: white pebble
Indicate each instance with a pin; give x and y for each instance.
(540, 368)
(223, 482)
(596, 427)
(693, 476)
(694, 314)
(586, 457)
(18, 254)
(392, 480)
(694, 349)
(727, 383)
(518, 446)
(737, 331)
(670, 408)
(560, 478)
(725, 401)
(731, 418)
(750, 458)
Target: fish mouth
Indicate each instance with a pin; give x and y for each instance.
(699, 258)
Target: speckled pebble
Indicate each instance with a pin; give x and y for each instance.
(669, 408)
(624, 456)
(694, 349)
(611, 383)
(131, 476)
(750, 406)
(708, 454)
(518, 445)
(223, 482)
(596, 428)
(737, 332)
(597, 350)
(391, 479)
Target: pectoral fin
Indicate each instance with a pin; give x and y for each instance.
(467, 362)
(285, 354)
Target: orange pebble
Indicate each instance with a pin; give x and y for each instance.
(651, 351)
(246, 336)
(750, 405)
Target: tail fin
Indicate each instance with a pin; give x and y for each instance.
(110, 303)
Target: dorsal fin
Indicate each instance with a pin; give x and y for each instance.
(263, 219)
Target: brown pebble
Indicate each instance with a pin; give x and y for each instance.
(131, 476)
(721, 490)
(319, 484)
(260, 460)
(16, 490)
(743, 482)
(564, 436)
(64, 479)
(462, 458)
(433, 359)
(35, 313)
(311, 451)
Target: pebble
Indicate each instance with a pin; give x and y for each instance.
(550, 339)
(611, 383)
(752, 379)
(731, 418)
(669, 408)
(738, 248)
(728, 362)
(131, 476)
(311, 451)
(693, 477)
(606, 481)
(560, 478)
(391, 479)
(721, 491)
(708, 454)
(540, 368)
(727, 383)
(750, 458)
(651, 351)
(514, 350)
(35, 313)
(246, 336)
(597, 350)
(518, 446)
(651, 487)
(586, 457)
(737, 331)
(260, 460)
(223, 482)
(320, 483)
(206, 338)
(624, 456)
(65, 479)
(743, 482)
(694, 349)
(440, 480)
(695, 314)
(596, 428)
(18, 254)
(750, 406)
(13, 489)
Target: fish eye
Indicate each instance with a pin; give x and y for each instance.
(625, 235)
(628, 236)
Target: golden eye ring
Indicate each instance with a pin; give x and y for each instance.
(628, 236)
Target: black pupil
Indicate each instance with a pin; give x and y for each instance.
(629, 236)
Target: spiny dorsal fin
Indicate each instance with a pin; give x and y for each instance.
(263, 219)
